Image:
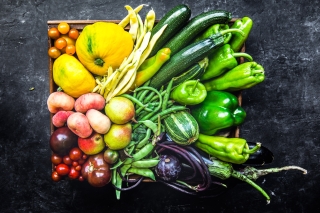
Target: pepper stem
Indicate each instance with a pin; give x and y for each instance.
(195, 86)
(242, 177)
(244, 55)
(253, 150)
(232, 30)
(99, 62)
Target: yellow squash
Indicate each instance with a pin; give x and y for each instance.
(73, 78)
(101, 45)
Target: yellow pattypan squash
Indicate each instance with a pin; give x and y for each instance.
(73, 78)
(101, 45)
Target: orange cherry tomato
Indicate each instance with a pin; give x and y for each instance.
(73, 33)
(70, 49)
(60, 43)
(53, 33)
(63, 27)
(53, 52)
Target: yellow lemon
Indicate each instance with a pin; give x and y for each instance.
(73, 78)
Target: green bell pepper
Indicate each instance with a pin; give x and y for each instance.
(232, 150)
(222, 60)
(190, 92)
(216, 28)
(243, 76)
(245, 25)
(219, 110)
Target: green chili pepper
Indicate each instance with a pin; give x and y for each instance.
(213, 30)
(243, 76)
(190, 92)
(245, 24)
(222, 60)
(219, 110)
(232, 150)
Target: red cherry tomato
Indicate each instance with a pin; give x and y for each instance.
(67, 160)
(81, 178)
(78, 168)
(62, 169)
(55, 176)
(75, 163)
(75, 154)
(56, 159)
(73, 174)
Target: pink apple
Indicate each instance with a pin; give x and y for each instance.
(92, 145)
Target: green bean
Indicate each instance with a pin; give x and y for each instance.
(145, 151)
(124, 169)
(119, 163)
(147, 163)
(143, 172)
(135, 100)
(167, 112)
(148, 98)
(166, 96)
(151, 125)
(145, 139)
(141, 95)
(118, 185)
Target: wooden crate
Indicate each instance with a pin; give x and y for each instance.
(79, 25)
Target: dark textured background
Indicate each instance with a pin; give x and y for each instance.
(283, 112)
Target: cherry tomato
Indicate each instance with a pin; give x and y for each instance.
(53, 33)
(81, 161)
(110, 156)
(54, 52)
(68, 39)
(73, 174)
(66, 160)
(78, 168)
(75, 154)
(62, 169)
(84, 156)
(56, 159)
(75, 163)
(81, 178)
(60, 43)
(63, 27)
(73, 33)
(55, 176)
(70, 49)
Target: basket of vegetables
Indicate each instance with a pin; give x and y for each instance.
(142, 100)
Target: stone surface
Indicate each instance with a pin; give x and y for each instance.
(283, 112)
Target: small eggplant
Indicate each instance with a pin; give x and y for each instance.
(260, 157)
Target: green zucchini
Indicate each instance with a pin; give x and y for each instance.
(196, 26)
(176, 19)
(184, 59)
(182, 128)
(193, 73)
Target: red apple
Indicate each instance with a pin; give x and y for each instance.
(92, 145)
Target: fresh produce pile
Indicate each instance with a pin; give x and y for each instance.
(142, 100)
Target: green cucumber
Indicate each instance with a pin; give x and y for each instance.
(196, 26)
(176, 19)
(184, 59)
(182, 128)
(193, 73)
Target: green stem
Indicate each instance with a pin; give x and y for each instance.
(99, 62)
(241, 177)
(195, 86)
(244, 55)
(232, 30)
(253, 150)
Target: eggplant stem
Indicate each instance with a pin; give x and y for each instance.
(253, 150)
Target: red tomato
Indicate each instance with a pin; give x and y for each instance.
(56, 159)
(75, 154)
(73, 174)
(62, 169)
(55, 176)
(67, 160)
